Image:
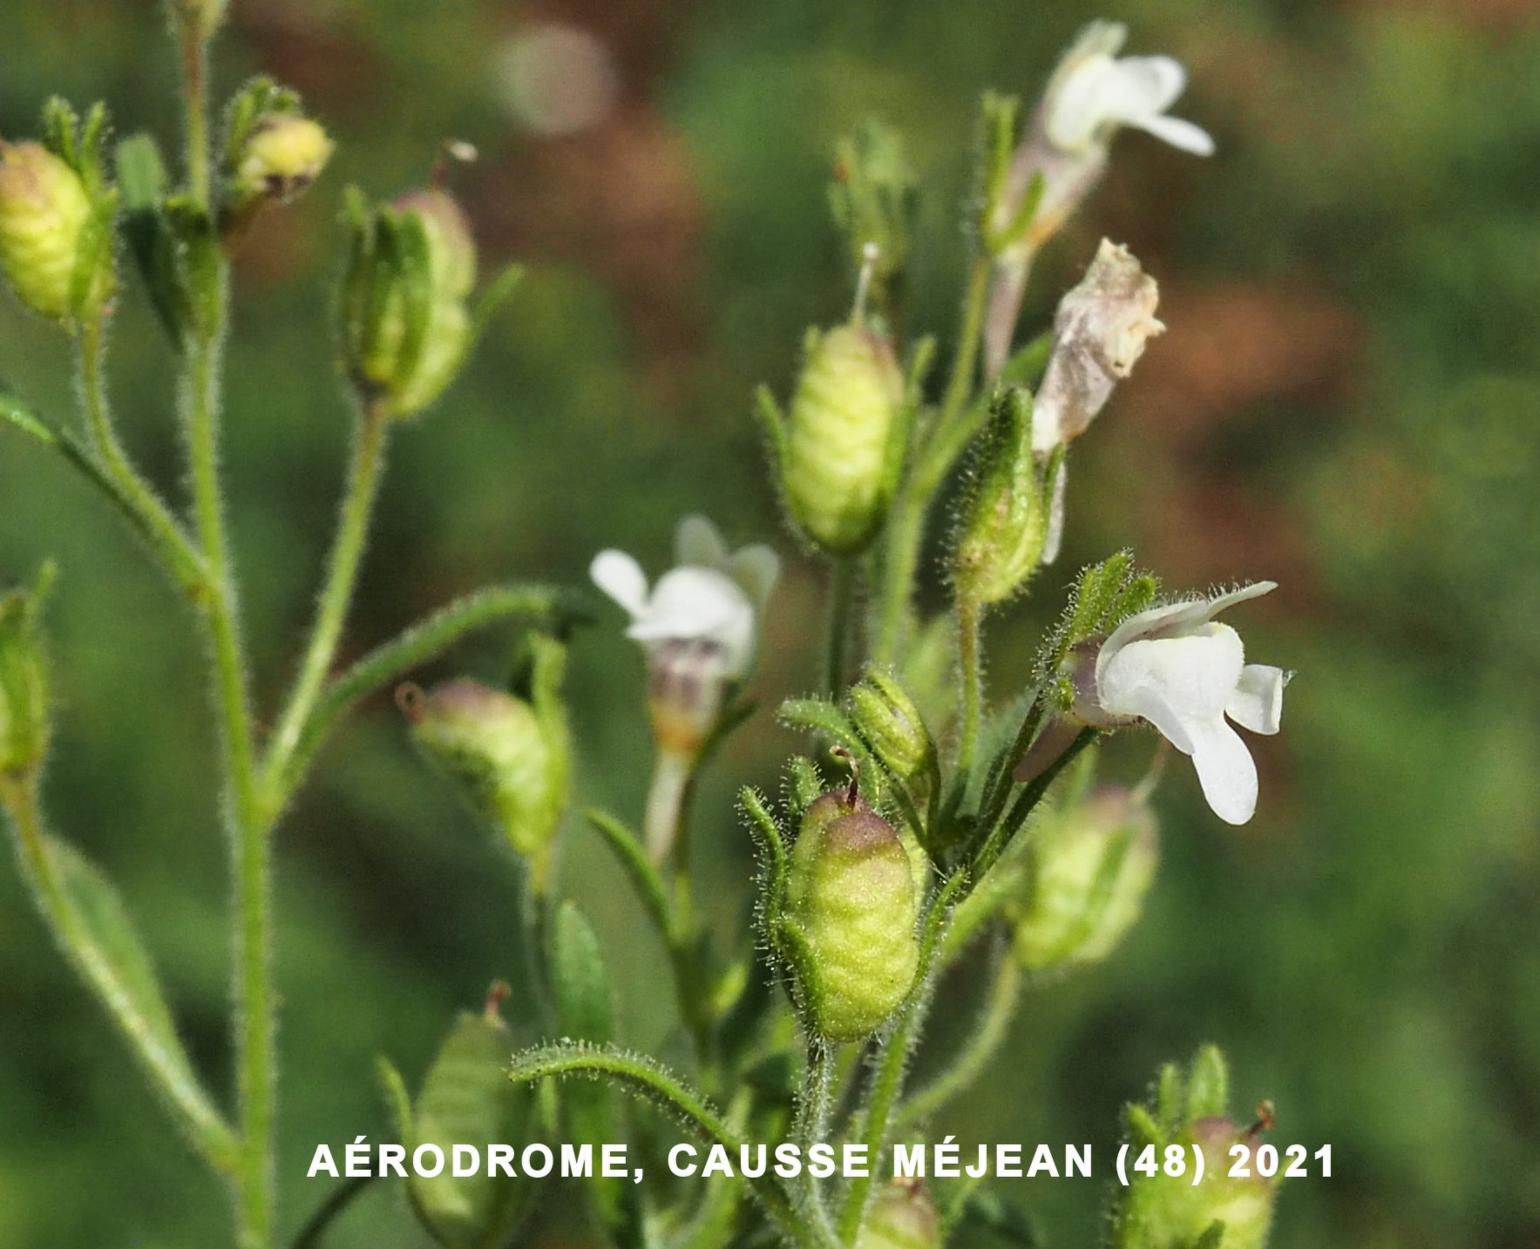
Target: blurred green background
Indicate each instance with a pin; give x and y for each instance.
(1346, 401)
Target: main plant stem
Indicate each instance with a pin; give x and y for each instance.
(939, 450)
(842, 591)
(342, 576)
(248, 818)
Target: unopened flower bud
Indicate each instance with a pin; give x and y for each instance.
(467, 1099)
(282, 155)
(46, 249)
(1100, 330)
(510, 756)
(891, 725)
(1006, 517)
(902, 1216)
(1088, 871)
(408, 327)
(851, 899)
(24, 720)
(836, 470)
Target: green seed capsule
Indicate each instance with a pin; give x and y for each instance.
(1088, 870)
(283, 155)
(407, 326)
(852, 899)
(44, 217)
(892, 726)
(1005, 520)
(509, 755)
(902, 1217)
(835, 473)
(467, 1099)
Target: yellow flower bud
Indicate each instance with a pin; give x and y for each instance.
(902, 1217)
(283, 154)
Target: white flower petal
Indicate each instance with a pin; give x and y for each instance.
(1194, 676)
(1257, 703)
(1224, 602)
(1077, 108)
(697, 541)
(694, 602)
(622, 578)
(1226, 771)
(1185, 135)
(756, 568)
(1142, 86)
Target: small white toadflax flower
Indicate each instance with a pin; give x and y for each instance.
(1177, 669)
(1092, 95)
(699, 626)
(710, 597)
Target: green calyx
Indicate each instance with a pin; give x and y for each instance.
(24, 718)
(852, 903)
(1006, 521)
(407, 325)
(1231, 1207)
(56, 213)
(837, 456)
(467, 1099)
(272, 150)
(510, 755)
(1088, 869)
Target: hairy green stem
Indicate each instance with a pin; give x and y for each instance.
(646, 1080)
(194, 49)
(892, 1063)
(347, 554)
(939, 450)
(814, 1107)
(205, 1127)
(983, 1041)
(250, 821)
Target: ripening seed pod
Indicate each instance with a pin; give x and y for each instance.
(1161, 1211)
(509, 755)
(1088, 870)
(467, 1099)
(835, 471)
(852, 901)
(408, 329)
(282, 155)
(1004, 526)
(46, 248)
(24, 719)
(892, 726)
(902, 1217)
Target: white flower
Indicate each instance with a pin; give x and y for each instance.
(1092, 95)
(711, 596)
(1176, 668)
(1094, 92)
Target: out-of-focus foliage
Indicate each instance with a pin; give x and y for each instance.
(1347, 401)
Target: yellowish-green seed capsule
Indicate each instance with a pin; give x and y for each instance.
(510, 757)
(1006, 517)
(1088, 871)
(892, 725)
(835, 471)
(24, 719)
(851, 896)
(902, 1217)
(409, 349)
(44, 215)
(283, 155)
(1163, 1211)
(467, 1099)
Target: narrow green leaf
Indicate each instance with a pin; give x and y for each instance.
(644, 875)
(585, 1005)
(1208, 1085)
